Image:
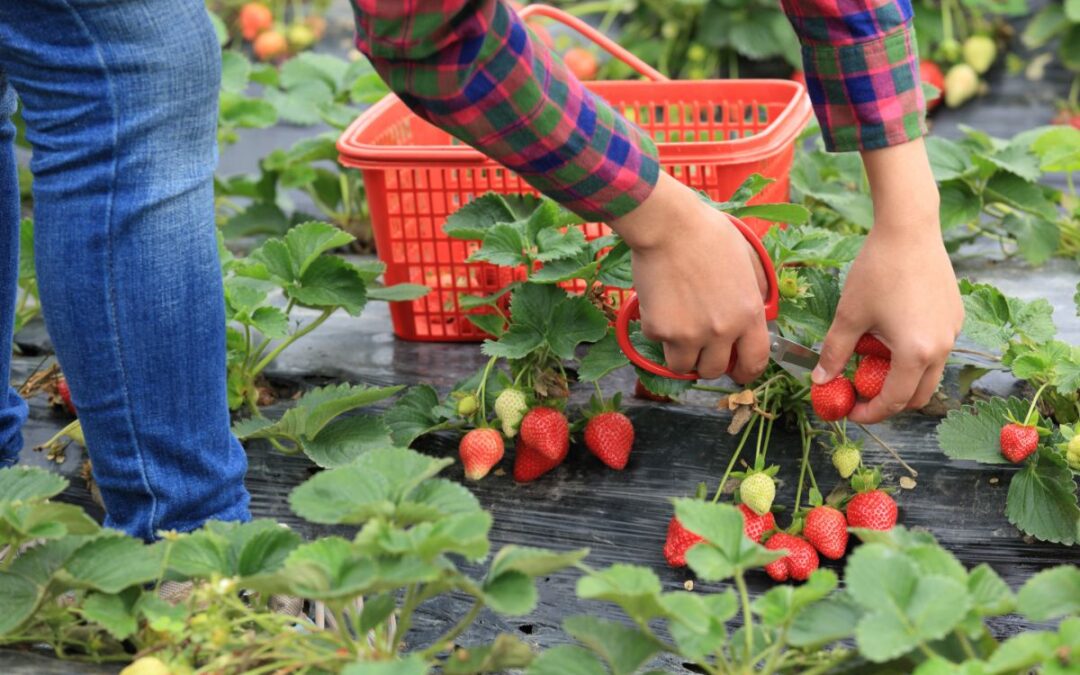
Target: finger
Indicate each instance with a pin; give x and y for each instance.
(900, 385)
(837, 349)
(928, 386)
(753, 353)
(681, 357)
(715, 359)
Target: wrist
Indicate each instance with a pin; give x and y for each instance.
(665, 214)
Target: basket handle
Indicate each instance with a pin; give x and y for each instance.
(601, 40)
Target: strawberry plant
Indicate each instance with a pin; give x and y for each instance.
(906, 605)
(265, 291)
(551, 323)
(990, 188)
(93, 594)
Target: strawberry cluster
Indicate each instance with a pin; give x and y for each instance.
(543, 436)
(835, 399)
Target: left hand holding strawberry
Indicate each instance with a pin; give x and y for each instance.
(901, 288)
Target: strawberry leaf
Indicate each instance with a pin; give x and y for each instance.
(960, 205)
(545, 316)
(602, 358)
(503, 245)
(1021, 194)
(343, 440)
(412, 415)
(555, 245)
(566, 659)
(615, 269)
(473, 220)
(974, 431)
(330, 282)
(792, 214)
(24, 483)
(623, 648)
(577, 267)
(1042, 500)
(1050, 594)
(808, 319)
(1037, 238)
(635, 589)
(904, 606)
(993, 319)
(410, 665)
(114, 613)
(505, 653)
(112, 563)
(654, 351)
(397, 292)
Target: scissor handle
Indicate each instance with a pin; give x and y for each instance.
(631, 311)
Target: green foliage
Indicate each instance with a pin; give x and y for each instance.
(412, 527)
(301, 267)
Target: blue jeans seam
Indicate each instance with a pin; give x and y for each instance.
(110, 283)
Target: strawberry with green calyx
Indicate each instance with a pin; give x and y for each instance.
(642, 392)
(679, 541)
(755, 526)
(480, 450)
(1071, 446)
(609, 434)
(961, 85)
(547, 431)
(758, 490)
(871, 508)
(467, 405)
(791, 286)
(529, 464)
(826, 529)
(1019, 440)
(799, 563)
(979, 52)
(510, 407)
(870, 376)
(847, 457)
(930, 73)
(834, 399)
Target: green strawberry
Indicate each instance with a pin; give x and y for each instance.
(1072, 453)
(846, 458)
(510, 407)
(758, 491)
(467, 405)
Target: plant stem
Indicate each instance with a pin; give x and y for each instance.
(1034, 401)
(803, 424)
(481, 391)
(966, 644)
(748, 618)
(457, 630)
(731, 464)
(269, 358)
(889, 449)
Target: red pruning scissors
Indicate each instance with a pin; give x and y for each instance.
(793, 357)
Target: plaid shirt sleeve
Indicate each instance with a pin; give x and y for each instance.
(472, 68)
(862, 70)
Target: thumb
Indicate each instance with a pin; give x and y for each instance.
(836, 351)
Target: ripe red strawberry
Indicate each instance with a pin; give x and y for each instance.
(826, 530)
(873, 510)
(868, 345)
(930, 73)
(640, 391)
(756, 526)
(1018, 441)
(833, 400)
(679, 541)
(64, 392)
(870, 375)
(529, 464)
(800, 561)
(610, 436)
(480, 451)
(546, 431)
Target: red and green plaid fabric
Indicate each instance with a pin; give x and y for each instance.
(862, 70)
(472, 68)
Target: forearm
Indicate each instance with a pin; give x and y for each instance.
(472, 68)
(903, 188)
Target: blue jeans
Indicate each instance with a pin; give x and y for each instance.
(120, 103)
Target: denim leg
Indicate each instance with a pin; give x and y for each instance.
(13, 409)
(120, 99)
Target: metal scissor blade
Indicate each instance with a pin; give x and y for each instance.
(793, 357)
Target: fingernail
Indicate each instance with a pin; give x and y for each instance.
(819, 376)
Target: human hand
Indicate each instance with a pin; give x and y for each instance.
(699, 283)
(901, 288)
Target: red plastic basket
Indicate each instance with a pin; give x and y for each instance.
(710, 134)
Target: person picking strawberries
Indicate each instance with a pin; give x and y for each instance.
(120, 104)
